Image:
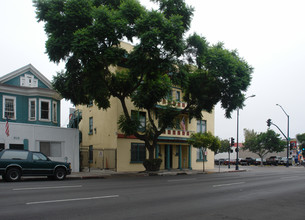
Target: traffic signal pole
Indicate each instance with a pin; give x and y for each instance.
(237, 148)
(287, 138)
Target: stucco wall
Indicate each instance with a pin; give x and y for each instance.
(35, 134)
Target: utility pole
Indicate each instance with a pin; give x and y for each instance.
(288, 139)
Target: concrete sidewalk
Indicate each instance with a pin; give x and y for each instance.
(96, 173)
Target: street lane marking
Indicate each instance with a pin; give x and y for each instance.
(181, 180)
(47, 187)
(70, 200)
(228, 184)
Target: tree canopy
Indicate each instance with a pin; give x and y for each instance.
(87, 35)
(204, 141)
(263, 143)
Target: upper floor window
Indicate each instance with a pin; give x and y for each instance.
(201, 126)
(28, 80)
(178, 96)
(44, 109)
(91, 125)
(9, 107)
(141, 116)
(32, 109)
(54, 112)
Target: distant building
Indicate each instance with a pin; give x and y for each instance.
(30, 117)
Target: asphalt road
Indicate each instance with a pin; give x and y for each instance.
(261, 193)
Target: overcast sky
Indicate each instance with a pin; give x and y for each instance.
(268, 34)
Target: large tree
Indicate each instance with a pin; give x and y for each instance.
(263, 143)
(87, 35)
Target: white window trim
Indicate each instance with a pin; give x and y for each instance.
(49, 115)
(30, 100)
(3, 106)
(54, 111)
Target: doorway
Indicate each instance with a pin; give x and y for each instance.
(168, 157)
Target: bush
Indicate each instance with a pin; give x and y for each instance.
(152, 165)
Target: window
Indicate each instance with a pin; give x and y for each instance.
(32, 109)
(54, 112)
(9, 107)
(91, 125)
(178, 96)
(16, 146)
(138, 153)
(44, 113)
(1, 146)
(15, 155)
(39, 156)
(201, 126)
(51, 149)
(141, 116)
(169, 96)
(200, 155)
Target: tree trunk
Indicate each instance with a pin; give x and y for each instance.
(151, 152)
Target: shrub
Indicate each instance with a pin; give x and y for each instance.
(152, 165)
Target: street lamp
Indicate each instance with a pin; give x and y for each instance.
(237, 148)
(288, 139)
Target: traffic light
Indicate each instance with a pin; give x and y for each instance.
(269, 122)
(232, 141)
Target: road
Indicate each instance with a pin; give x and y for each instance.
(261, 193)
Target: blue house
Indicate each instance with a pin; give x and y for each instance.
(30, 112)
(27, 97)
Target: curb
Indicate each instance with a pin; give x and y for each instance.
(104, 176)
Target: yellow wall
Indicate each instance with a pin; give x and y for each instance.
(105, 135)
(104, 126)
(123, 156)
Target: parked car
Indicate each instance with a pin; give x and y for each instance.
(273, 160)
(17, 163)
(232, 162)
(248, 161)
(258, 162)
(219, 161)
(242, 162)
(283, 161)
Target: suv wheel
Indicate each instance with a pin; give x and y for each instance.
(13, 174)
(60, 174)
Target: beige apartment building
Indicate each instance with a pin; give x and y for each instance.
(104, 146)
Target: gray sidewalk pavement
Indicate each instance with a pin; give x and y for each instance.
(96, 173)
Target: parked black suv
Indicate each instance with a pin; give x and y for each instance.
(17, 163)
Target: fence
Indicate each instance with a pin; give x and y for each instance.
(98, 158)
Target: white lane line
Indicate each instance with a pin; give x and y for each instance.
(181, 180)
(70, 200)
(47, 187)
(228, 184)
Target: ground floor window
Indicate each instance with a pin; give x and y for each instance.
(1, 146)
(51, 149)
(200, 155)
(138, 153)
(16, 146)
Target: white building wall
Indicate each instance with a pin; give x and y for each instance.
(68, 137)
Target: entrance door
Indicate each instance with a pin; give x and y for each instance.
(168, 156)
